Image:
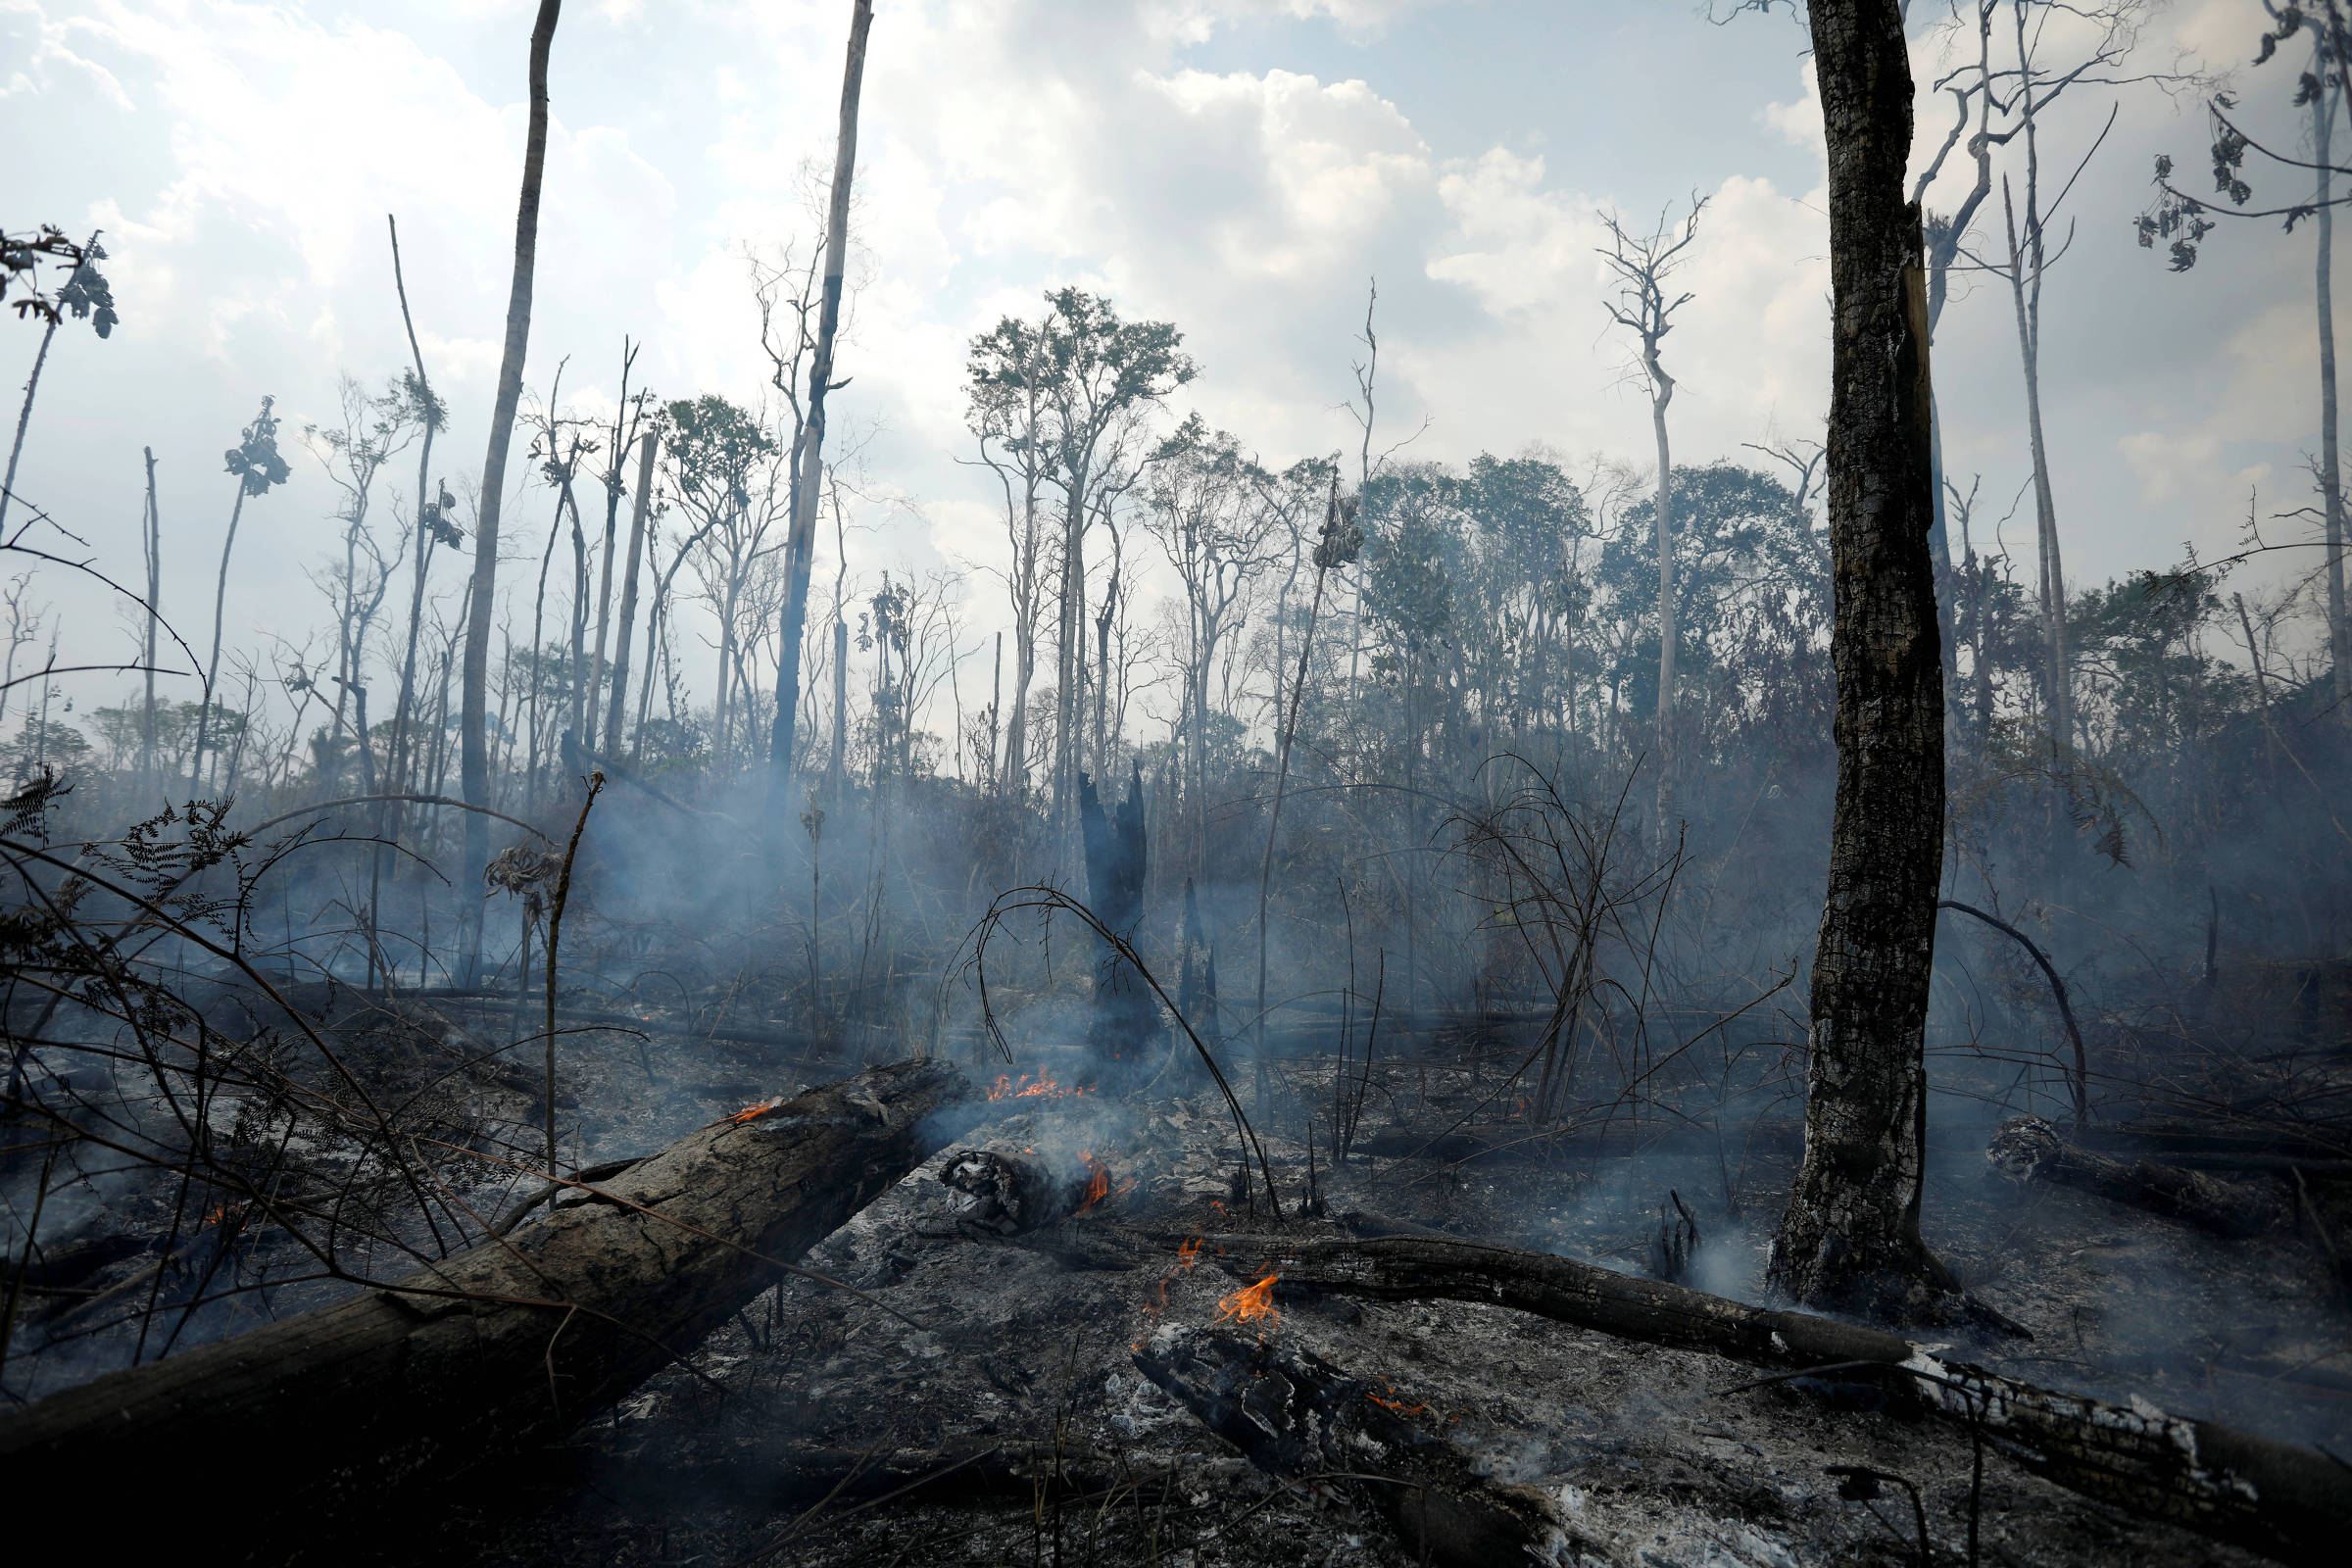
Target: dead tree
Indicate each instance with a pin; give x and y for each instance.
(1643, 263)
(473, 722)
(800, 546)
(1849, 1236)
(501, 1349)
(628, 592)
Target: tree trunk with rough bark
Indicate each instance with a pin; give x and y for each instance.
(473, 720)
(1849, 1239)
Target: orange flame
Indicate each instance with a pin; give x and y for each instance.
(1398, 1406)
(1007, 1087)
(1098, 1183)
(1253, 1304)
(751, 1112)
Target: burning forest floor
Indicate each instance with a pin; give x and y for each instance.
(978, 1396)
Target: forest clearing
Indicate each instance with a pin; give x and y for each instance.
(989, 930)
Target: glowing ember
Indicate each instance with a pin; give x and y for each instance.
(1252, 1303)
(1398, 1404)
(751, 1112)
(1023, 1088)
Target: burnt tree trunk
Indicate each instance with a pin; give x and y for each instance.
(1849, 1238)
(2279, 1499)
(2028, 1148)
(1296, 1415)
(501, 1349)
(1125, 1019)
(474, 767)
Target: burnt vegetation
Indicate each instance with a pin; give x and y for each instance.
(1318, 1042)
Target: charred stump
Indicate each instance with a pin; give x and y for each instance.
(495, 1350)
(1125, 1017)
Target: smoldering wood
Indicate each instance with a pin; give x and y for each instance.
(1298, 1416)
(497, 1350)
(2027, 1150)
(1012, 1196)
(2288, 1501)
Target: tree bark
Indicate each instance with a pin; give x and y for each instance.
(498, 1349)
(1849, 1238)
(799, 549)
(474, 760)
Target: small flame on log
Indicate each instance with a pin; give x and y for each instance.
(1252, 1303)
(1007, 1087)
(751, 1112)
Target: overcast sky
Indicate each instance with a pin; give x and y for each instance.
(1237, 167)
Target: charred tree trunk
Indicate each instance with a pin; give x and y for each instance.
(473, 722)
(498, 1349)
(1849, 1238)
(1298, 1416)
(2028, 1148)
(2281, 1499)
(1115, 866)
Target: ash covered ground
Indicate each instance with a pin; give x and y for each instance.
(1012, 1425)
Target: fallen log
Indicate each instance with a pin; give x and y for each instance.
(495, 1350)
(1299, 1417)
(2288, 1501)
(2027, 1150)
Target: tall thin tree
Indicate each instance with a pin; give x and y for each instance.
(799, 549)
(258, 467)
(1643, 263)
(473, 720)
